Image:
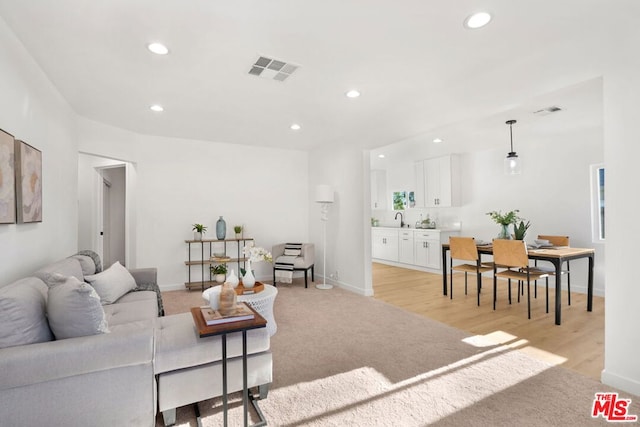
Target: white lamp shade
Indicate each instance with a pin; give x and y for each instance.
(512, 164)
(324, 194)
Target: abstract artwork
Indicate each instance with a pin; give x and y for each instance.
(29, 183)
(7, 179)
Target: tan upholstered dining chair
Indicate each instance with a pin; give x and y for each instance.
(557, 241)
(465, 249)
(512, 255)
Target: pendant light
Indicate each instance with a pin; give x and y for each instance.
(511, 162)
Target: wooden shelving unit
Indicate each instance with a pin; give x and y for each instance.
(205, 259)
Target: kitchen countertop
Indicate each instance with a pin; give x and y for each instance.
(418, 229)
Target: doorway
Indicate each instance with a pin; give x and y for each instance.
(113, 215)
(106, 197)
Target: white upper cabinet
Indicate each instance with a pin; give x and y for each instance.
(438, 182)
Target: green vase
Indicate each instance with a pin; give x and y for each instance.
(504, 232)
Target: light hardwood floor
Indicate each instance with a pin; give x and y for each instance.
(577, 344)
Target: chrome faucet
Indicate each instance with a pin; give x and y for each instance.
(401, 219)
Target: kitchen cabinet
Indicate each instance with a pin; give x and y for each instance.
(405, 254)
(384, 244)
(438, 182)
(409, 247)
(427, 248)
(378, 189)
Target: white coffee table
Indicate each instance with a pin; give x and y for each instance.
(262, 302)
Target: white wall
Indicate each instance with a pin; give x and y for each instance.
(32, 110)
(622, 151)
(344, 169)
(182, 182)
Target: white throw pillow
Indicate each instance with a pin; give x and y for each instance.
(74, 309)
(112, 283)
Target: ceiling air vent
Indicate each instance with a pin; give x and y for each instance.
(547, 111)
(272, 69)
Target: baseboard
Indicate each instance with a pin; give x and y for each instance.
(622, 383)
(269, 280)
(172, 287)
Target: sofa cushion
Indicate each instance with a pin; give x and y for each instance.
(22, 313)
(66, 267)
(179, 346)
(112, 283)
(74, 309)
(132, 310)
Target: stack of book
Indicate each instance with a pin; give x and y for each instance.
(214, 317)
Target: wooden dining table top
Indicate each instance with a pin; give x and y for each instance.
(552, 251)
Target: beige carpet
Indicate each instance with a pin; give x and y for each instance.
(345, 360)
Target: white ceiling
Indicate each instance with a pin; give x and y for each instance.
(418, 69)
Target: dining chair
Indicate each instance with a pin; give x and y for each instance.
(556, 241)
(465, 249)
(512, 255)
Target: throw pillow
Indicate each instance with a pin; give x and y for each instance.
(112, 283)
(74, 309)
(86, 263)
(22, 313)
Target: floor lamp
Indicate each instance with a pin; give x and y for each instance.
(324, 196)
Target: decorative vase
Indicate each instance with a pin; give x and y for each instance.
(504, 232)
(221, 228)
(248, 280)
(197, 235)
(233, 279)
(227, 299)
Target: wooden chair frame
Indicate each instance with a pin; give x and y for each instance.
(512, 255)
(556, 241)
(465, 249)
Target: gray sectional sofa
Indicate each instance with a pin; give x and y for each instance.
(113, 364)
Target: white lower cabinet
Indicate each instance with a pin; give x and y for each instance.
(414, 247)
(384, 244)
(427, 249)
(406, 247)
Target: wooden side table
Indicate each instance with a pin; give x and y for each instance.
(223, 329)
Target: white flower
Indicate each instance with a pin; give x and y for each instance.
(256, 254)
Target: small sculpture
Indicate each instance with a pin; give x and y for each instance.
(227, 299)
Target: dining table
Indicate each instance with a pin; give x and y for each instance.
(556, 255)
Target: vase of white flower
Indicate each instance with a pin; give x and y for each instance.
(248, 280)
(253, 254)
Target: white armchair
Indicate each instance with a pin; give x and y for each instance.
(305, 261)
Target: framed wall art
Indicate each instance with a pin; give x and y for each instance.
(7, 179)
(28, 182)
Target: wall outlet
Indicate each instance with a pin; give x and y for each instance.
(334, 276)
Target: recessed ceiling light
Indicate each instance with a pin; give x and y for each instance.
(158, 48)
(295, 126)
(157, 108)
(477, 20)
(352, 93)
(437, 140)
(381, 156)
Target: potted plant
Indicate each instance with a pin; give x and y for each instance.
(504, 220)
(238, 230)
(219, 271)
(520, 230)
(199, 230)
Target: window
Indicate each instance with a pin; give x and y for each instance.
(597, 202)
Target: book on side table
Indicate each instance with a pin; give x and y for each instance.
(214, 317)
